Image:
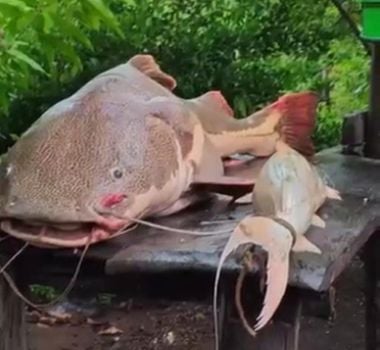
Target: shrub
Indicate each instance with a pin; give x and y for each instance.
(251, 51)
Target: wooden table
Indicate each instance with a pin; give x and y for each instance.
(350, 228)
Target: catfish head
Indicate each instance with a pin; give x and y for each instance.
(86, 167)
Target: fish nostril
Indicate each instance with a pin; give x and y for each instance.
(111, 200)
(12, 201)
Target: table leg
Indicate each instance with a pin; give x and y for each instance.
(281, 334)
(371, 276)
(12, 319)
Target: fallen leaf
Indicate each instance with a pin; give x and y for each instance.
(112, 330)
(33, 316)
(169, 338)
(42, 325)
(60, 316)
(93, 322)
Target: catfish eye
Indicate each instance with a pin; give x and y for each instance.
(117, 174)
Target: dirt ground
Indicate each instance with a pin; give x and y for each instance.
(160, 325)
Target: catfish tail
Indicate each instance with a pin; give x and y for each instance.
(298, 120)
(277, 241)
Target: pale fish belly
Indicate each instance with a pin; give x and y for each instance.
(299, 217)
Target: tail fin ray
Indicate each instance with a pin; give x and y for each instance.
(298, 120)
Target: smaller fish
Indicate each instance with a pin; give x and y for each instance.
(287, 194)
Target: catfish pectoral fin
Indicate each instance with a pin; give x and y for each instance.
(302, 244)
(246, 199)
(333, 194)
(229, 185)
(318, 221)
(185, 201)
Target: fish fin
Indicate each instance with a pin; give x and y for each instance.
(229, 163)
(210, 165)
(185, 201)
(298, 120)
(218, 101)
(302, 244)
(228, 185)
(246, 199)
(148, 65)
(318, 221)
(213, 112)
(276, 240)
(233, 163)
(333, 194)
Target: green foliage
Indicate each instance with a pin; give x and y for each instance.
(40, 39)
(105, 298)
(46, 293)
(348, 69)
(251, 51)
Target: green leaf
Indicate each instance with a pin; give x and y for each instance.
(26, 59)
(73, 31)
(14, 137)
(71, 55)
(240, 106)
(106, 14)
(16, 3)
(48, 22)
(25, 20)
(4, 102)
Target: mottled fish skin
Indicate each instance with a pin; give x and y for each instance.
(123, 146)
(122, 134)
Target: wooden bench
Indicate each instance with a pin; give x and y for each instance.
(350, 229)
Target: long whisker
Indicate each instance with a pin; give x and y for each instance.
(177, 230)
(13, 258)
(67, 290)
(126, 229)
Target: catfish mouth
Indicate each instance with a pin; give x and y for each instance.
(68, 235)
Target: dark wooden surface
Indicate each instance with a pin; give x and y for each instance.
(282, 333)
(12, 321)
(350, 223)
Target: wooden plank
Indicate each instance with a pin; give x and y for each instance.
(372, 272)
(12, 320)
(281, 334)
(351, 174)
(349, 225)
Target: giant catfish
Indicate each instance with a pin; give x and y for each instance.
(125, 146)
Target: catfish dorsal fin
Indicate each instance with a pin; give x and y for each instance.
(298, 120)
(148, 65)
(217, 99)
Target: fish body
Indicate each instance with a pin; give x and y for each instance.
(290, 119)
(124, 146)
(287, 194)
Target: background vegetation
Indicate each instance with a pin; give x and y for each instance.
(251, 50)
